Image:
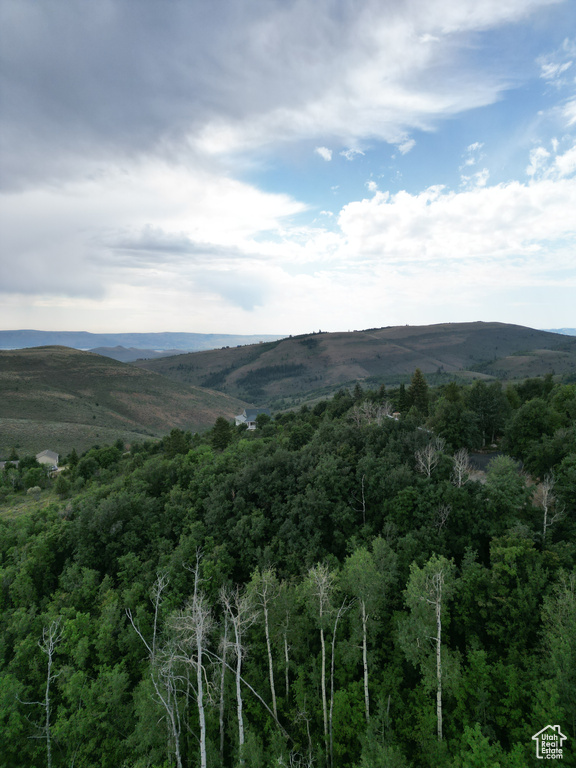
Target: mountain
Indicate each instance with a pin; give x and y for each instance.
(60, 398)
(284, 371)
(187, 342)
(130, 354)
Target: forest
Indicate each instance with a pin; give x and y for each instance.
(341, 588)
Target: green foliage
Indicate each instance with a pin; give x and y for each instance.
(418, 395)
(314, 491)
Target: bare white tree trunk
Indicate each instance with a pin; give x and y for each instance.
(547, 499)
(162, 671)
(266, 591)
(286, 663)
(51, 636)
(222, 681)
(322, 582)
(460, 467)
(427, 458)
(434, 598)
(439, 658)
(365, 658)
(341, 611)
(242, 615)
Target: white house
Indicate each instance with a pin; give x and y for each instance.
(248, 416)
(49, 458)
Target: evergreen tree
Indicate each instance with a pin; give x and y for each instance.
(221, 433)
(418, 392)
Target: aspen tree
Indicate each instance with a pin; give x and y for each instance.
(51, 636)
(242, 615)
(162, 668)
(265, 588)
(546, 499)
(367, 576)
(427, 593)
(192, 627)
(460, 467)
(320, 582)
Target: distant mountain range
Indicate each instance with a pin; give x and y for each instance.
(148, 344)
(57, 397)
(282, 373)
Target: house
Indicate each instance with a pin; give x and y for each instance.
(49, 458)
(549, 743)
(248, 416)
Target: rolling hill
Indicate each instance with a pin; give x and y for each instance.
(286, 370)
(184, 342)
(60, 398)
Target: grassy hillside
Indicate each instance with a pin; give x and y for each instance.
(321, 362)
(59, 398)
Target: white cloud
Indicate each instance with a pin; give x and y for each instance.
(538, 161)
(495, 224)
(351, 154)
(570, 112)
(405, 146)
(372, 186)
(553, 71)
(552, 165)
(478, 179)
(324, 152)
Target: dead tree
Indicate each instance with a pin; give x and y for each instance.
(427, 458)
(51, 636)
(192, 627)
(162, 668)
(242, 615)
(266, 588)
(551, 513)
(460, 467)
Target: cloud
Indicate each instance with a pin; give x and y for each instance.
(552, 165)
(478, 179)
(472, 155)
(82, 238)
(324, 152)
(351, 154)
(372, 186)
(553, 66)
(119, 82)
(491, 223)
(405, 146)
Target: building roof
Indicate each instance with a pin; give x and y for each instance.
(50, 455)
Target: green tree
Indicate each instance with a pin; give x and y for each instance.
(221, 435)
(418, 393)
(427, 595)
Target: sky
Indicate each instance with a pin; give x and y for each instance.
(286, 166)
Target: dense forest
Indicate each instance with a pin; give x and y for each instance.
(340, 588)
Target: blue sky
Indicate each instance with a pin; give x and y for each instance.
(257, 166)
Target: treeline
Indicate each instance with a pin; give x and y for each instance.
(339, 588)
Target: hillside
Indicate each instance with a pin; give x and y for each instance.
(303, 364)
(186, 342)
(59, 398)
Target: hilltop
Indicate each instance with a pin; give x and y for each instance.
(60, 398)
(300, 365)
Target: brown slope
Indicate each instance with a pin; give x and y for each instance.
(58, 385)
(302, 364)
